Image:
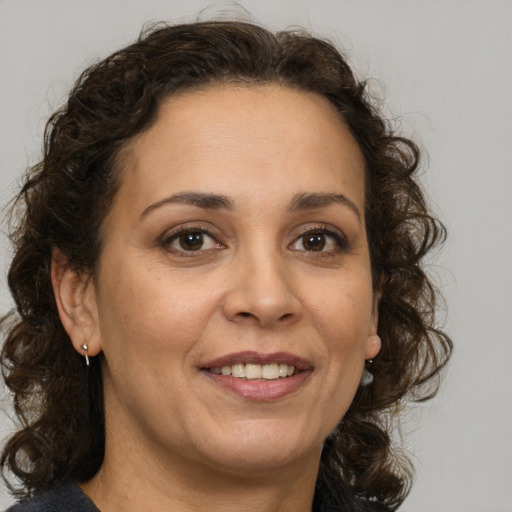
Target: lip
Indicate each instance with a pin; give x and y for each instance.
(260, 389)
(253, 357)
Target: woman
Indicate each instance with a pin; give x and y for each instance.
(219, 284)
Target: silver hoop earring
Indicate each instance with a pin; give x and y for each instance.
(367, 377)
(85, 348)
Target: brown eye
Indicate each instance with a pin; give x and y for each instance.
(191, 241)
(320, 240)
(313, 242)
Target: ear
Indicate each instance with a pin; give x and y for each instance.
(76, 302)
(373, 342)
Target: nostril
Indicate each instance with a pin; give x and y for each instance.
(262, 309)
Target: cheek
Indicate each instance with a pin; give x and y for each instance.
(343, 316)
(344, 311)
(153, 309)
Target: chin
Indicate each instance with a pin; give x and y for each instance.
(263, 447)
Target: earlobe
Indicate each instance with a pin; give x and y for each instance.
(373, 342)
(373, 345)
(76, 303)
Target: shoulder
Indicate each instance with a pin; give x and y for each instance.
(61, 497)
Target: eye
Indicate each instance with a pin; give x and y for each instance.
(191, 240)
(314, 241)
(320, 240)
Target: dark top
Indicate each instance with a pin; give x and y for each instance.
(68, 497)
(64, 497)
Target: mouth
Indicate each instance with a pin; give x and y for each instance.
(259, 376)
(252, 371)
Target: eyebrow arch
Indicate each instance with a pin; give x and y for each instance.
(310, 201)
(202, 200)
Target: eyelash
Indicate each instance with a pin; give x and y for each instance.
(168, 239)
(338, 237)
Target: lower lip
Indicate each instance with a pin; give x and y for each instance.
(262, 390)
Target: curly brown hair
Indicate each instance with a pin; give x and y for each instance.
(65, 197)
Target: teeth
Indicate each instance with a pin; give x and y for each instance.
(238, 370)
(270, 371)
(252, 371)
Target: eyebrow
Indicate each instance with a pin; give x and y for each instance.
(311, 201)
(303, 201)
(199, 199)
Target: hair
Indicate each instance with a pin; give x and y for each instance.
(64, 198)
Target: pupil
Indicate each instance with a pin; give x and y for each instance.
(314, 241)
(191, 241)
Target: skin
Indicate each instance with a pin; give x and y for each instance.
(175, 438)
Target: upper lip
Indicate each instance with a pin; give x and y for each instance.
(252, 357)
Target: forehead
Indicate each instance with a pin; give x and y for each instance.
(247, 138)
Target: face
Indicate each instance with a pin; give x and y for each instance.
(233, 301)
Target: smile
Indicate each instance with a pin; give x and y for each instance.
(259, 377)
(250, 371)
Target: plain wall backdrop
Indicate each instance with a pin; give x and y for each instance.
(444, 68)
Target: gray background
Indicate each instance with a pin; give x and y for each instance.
(444, 68)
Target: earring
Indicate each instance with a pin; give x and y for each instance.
(85, 348)
(367, 377)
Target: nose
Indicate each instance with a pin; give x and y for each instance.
(262, 292)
